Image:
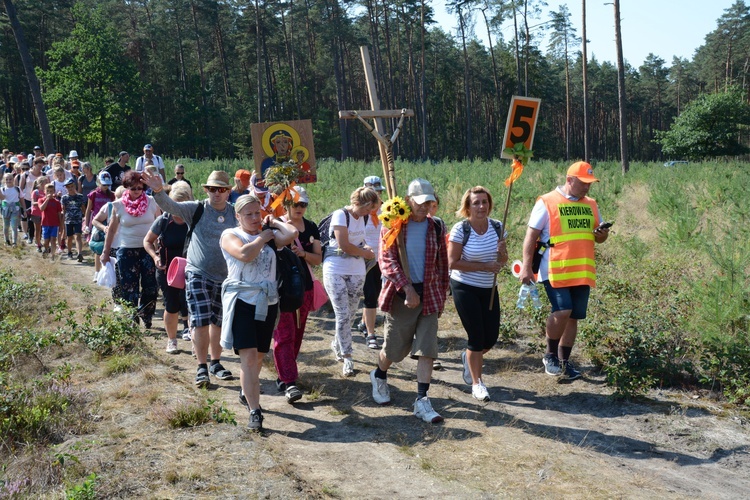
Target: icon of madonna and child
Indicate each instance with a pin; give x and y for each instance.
(284, 144)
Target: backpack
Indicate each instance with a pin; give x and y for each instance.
(466, 227)
(325, 225)
(290, 279)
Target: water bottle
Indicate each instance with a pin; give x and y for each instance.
(523, 295)
(535, 296)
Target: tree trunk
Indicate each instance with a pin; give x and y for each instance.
(467, 93)
(494, 66)
(423, 117)
(204, 104)
(28, 66)
(586, 140)
(517, 51)
(621, 92)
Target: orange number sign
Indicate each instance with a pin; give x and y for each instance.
(521, 123)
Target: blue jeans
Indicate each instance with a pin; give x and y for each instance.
(136, 273)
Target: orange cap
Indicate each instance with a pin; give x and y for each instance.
(243, 175)
(583, 171)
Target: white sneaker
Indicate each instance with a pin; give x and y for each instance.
(336, 351)
(380, 392)
(118, 308)
(479, 391)
(348, 367)
(467, 373)
(423, 409)
(94, 278)
(172, 346)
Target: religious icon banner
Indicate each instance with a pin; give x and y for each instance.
(280, 143)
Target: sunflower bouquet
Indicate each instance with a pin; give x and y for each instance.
(280, 180)
(394, 214)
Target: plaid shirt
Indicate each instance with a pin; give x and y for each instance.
(435, 272)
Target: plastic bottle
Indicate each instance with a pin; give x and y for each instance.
(535, 296)
(523, 295)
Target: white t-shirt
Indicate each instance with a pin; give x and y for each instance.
(539, 219)
(262, 268)
(134, 229)
(140, 163)
(345, 264)
(479, 248)
(372, 232)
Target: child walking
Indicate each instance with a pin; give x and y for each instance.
(73, 205)
(51, 218)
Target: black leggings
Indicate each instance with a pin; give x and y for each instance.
(473, 306)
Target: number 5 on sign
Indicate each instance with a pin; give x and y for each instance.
(521, 123)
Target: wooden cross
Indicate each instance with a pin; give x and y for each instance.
(385, 144)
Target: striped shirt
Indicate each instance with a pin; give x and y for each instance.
(479, 248)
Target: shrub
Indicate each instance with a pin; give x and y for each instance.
(725, 360)
(100, 330)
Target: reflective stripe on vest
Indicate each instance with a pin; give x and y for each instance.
(571, 258)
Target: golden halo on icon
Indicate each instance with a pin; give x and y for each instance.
(274, 130)
(305, 152)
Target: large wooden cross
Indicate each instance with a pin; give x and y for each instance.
(385, 143)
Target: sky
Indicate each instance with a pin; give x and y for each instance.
(665, 28)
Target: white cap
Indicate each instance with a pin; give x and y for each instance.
(421, 191)
(73, 154)
(105, 179)
(302, 194)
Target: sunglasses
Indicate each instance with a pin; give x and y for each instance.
(371, 185)
(300, 204)
(139, 188)
(179, 173)
(212, 189)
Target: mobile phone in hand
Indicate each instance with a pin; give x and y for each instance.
(604, 225)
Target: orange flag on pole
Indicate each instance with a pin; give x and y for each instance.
(515, 174)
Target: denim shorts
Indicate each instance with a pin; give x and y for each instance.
(571, 298)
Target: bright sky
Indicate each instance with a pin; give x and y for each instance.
(665, 28)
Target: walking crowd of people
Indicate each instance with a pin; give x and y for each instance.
(217, 263)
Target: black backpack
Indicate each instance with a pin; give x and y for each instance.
(325, 225)
(290, 278)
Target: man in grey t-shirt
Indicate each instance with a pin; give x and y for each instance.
(206, 268)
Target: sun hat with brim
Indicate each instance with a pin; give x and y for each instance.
(218, 178)
(13, 159)
(176, 273)
(374, 182)
(583, 171)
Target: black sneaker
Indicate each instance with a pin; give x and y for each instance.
(243, 400)
(362, 328)
(70, 255)
(280, 386)
(256, 421)
(569, 371)
(551, 364)
(293, 394)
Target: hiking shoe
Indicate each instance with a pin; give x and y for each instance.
(569, 371)
(256, 420)
(70, 255)
(437, 365)
(281, 386)
(380, 392)
(292, 394)
(172, 346)
(479, 391)
(39, 248)
(372, 342)
(423, 409)
(186, 335)
(467, 374)
(348, 367)
(218, 371)
(551, 364)
(201, 378)
(336, 351)
(362, 328)
(80, 257)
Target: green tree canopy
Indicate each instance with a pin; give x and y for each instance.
(90, 88)
(710, 126)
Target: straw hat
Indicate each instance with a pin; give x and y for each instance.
(218, 178)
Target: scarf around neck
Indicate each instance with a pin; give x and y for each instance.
(136, 207)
